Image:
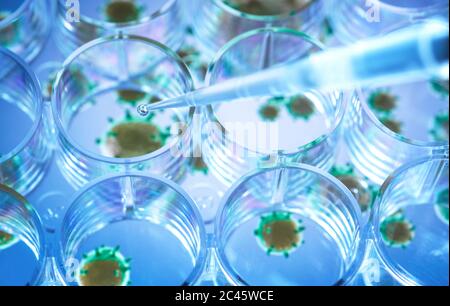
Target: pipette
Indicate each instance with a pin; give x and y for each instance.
(415, 53)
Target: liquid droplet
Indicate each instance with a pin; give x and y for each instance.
(142, 110)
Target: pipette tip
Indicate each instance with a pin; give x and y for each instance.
(143, 110)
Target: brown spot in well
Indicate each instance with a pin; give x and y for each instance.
(154, 99)
(188, 54)
(199, 164)
(384, 102)
(120, 11)
(49, 89)
(134, 139)
(362, 195)
(8, 33)
(130, 95)
(5, 237)
(301, 107)
(101, 273)
(269, 112)
(267, 7)
(399, 232)
(280, 235)
(393, 125)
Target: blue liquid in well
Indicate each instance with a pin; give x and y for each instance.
(158, 257)
(18, 265)
(14, 126)
(10, 5)
(250, 261)
(426, 257)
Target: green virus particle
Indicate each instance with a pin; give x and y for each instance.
(189, 54)
(267, 7)
(133, 137)
(130, 96)
(104, 266)
(300, 107)
(76, 80)
(394, 125)
(198, 164)
(12, 170)
(193, 59)
(439, 132)
(383, 102)
(440, 87)
(279, 234)
(79, 83)
(7, 240)
(122, 11)
(363, 192)
(441, 205)
(8, 34)
(269, 112)
(47, 89)
(327, 28)
(154, 99)
(397, 231)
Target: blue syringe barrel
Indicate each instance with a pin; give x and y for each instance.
(415, 53)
